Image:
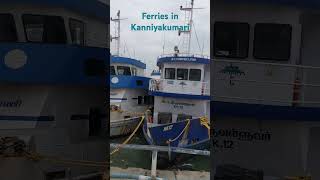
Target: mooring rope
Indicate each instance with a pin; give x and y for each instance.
(129, 138)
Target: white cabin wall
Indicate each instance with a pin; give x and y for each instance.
(246, 92)
(129, 105)
(196, 108)
(95, 32)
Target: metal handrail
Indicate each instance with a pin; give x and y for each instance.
(298, 80)
(162, 149)
(157, 86)
(265, 63)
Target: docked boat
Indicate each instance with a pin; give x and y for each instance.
(265, 86)
(129, 97)
(181, 99)
(52, 79)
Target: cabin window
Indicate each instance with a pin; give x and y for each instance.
(195, 75)
(231, 39)
(8, 32)
(112, 71)
(76, 31)
(183, 117)
(170, 73)
(164, 118)
(272, 41)
(182, 74)
(124, 70)
(44, 29)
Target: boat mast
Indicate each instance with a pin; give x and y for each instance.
(189, 15)
(117, 33)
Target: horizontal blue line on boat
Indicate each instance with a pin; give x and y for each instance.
(132, 82)
(55, 64)
(182, 96)
(26, 118)
(126, 60)
(264, 112)
(184, 59)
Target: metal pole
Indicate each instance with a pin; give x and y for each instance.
(118, 48)
(154, 164)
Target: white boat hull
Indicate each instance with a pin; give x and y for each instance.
(123, 127)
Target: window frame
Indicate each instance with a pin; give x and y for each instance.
(187, 70)
(45, 16)
(200, 75)
(123, 74)
(84, 31)
(270, 58)
(248, 39)
(183, 115)
(165, 113)
(14, 26)
(175, 73)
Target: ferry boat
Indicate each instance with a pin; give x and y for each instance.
(52, 78)
(181, 99)
(129, 97)
(265, 86)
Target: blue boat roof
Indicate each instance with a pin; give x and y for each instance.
(155, 73)
(92, 8)
(185, 59)
(296, 3)
(126, 60)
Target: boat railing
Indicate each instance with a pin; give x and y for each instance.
(265, 83)
(156, 149)
(184, 55)
(180, 87)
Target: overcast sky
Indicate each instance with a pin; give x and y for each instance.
(147, 45)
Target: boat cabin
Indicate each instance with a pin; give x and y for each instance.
(187, 75)
(265, 85)
(261, 47)
(182, 92)
(122, 66)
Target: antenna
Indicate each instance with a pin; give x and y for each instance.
(189, 19)
(117, 33)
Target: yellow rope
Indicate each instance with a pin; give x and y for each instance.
(184, 129)
(129, 138)
(205, 122)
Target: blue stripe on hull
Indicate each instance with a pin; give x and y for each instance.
(197, 134)
(264, 112)
(55, 64)
(132, 82)
(182, 96)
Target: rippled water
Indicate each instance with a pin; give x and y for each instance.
(142, 159)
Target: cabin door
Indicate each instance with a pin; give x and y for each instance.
(310, 56)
